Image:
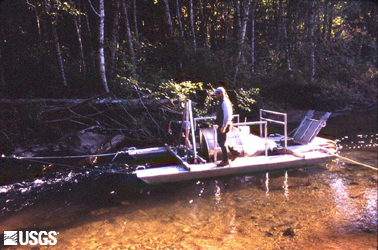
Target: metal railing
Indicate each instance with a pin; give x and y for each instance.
(284, 122)
(212, 118)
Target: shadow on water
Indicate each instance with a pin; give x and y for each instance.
(318, 207)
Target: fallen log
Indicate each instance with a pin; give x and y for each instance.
(64, 104)
(80, 101)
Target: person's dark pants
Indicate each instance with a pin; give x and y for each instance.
(222, 140)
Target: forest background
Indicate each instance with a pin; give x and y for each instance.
(125, 66)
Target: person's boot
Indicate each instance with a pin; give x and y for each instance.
(223, 163)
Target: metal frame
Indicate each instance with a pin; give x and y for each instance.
(284, 123)
(263, 122)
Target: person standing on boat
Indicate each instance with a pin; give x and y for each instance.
(224, 122)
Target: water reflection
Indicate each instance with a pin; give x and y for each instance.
(286, 186)
(345, 210)
(267, 184)
(356, 208)
(217, 193)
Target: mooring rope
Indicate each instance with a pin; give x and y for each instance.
(38, 159)
(350, 160)
(64, 157)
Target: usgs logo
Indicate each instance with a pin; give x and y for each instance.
(13, 238)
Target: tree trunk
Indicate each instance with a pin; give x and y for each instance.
(192, 24)
(281, 13)
(45, 28)
(213, 34)
(237, 18)
(205, 24)
(58, 52)
(325, 20)
(38, 21)
(244, 23)
(115, 40)
(136, 32)
(101, 54)
(253, 10)
(202, 20)
(178, 10)
(330, 21)
(38, 26)
(295, 31)
(93, 62)
(312, 42)
(168, 17)
(243, 31)
(83, 67)
(285, 37)
(129, 38)
(59, 55)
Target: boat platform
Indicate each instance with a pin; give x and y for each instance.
(296, 156)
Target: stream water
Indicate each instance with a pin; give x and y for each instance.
(326, 206)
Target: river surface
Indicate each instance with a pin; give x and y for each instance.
(326, 206)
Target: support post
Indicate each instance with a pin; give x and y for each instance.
(192, 129)
(285, 117)
(266, 135)
(260, 123)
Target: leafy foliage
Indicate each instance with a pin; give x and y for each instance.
(179, 91)
(246, 98)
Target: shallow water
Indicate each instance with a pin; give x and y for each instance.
(327, 206)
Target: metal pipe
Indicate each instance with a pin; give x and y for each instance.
(192, 128)
(202, 118)
(285, 119)
(238, 117)
(260, 124)
(250, 123)
(266, 135)
(210, 118)
(272, 112)
(270, 120)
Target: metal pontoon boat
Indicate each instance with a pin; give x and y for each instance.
(258, 153)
